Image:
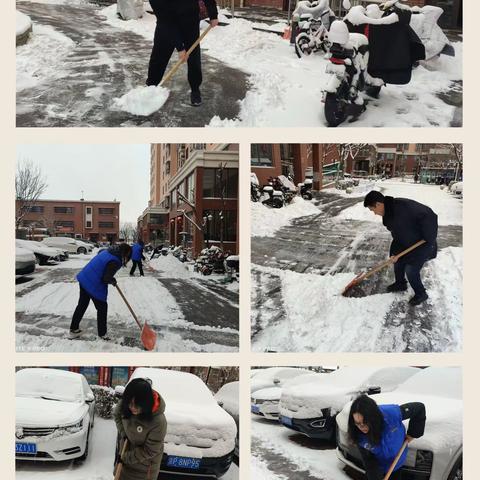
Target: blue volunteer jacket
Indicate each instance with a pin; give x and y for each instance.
(137, 251)
(393, 436)
(91, 276)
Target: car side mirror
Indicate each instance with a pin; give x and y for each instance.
(220, 403)
(90, 397)
(119, 391)
(374, 390)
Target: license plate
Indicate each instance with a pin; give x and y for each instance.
(255, 409)
(30, 448)
(287, 421)
(184, 462)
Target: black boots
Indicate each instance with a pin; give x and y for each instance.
(397, 287)
(195, 98)
(417, 299)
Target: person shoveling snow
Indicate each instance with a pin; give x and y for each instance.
(178, 28)
(94, 279)
(409, 222)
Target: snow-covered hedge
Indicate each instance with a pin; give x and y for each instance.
(105, 400)
(23, 28)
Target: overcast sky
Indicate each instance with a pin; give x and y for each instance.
(104, 172)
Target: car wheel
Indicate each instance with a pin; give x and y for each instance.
(457, 471)
(40, 259)
(82, 250)
(85, 453)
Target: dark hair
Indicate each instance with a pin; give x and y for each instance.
(372, 416)
(372, 198)
(125, 251)
(140, 391)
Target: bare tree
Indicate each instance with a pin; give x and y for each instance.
(128, 231)
(29, 186)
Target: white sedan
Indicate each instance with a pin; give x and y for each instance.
(70, 245)
(43, 253)
(24, 261)
(54, 415)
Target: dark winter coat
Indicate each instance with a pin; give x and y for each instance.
(99, 272)
(144, 453)
(409, 222)
(394, 49)
(176, 15)
(378, 458)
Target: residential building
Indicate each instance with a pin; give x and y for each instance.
(88, 219)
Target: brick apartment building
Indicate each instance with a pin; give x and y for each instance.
(91, 220)
(193, 196)
(452, 9)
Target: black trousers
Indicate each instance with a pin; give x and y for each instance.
(134, 267)
(411, 270)
(163, 47)
(82, 306)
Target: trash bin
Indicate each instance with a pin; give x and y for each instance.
(130, 9)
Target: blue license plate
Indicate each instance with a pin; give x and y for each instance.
(255, 409)
(30, 448)
(184, 462)
(286, 421)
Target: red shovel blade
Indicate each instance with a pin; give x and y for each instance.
(354, 282)
(149, 337)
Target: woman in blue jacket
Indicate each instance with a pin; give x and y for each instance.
(137, 257)
(94, 279)
(379, 433)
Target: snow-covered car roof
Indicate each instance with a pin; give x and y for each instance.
(440, 389)
(50, 383)
(272, 376)
(37, 247)
(228, 395)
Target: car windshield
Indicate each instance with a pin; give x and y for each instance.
(40, 383)
(440, 381)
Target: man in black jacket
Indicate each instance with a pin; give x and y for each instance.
(409, 222)
(178, 27)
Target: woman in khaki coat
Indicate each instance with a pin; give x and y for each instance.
(140, 419)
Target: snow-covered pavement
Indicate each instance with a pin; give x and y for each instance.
(188, 311)
(280, 454)
(252, 78)
(299, 272)
(98, 466)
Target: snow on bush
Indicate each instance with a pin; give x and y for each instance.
(23, 23)
(105, 400)
(266, 221)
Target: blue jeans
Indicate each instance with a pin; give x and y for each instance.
(412, 271)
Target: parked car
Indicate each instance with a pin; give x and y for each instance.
(274, 376)
(201, 435)
(43, 253)
(264, 402)
(310, 408)
(68, 244)
(228, 397)
(24, 261)
(437, 455)
(54, 415)
(457, 188)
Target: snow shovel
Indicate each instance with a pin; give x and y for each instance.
(171, 73)
(118, 470)
(395, 460)
(148, 336)
(364, 275)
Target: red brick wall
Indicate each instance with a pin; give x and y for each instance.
(264, 3)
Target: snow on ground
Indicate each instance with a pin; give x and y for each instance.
(142, 100)
(22, 23)
(357, 191)
(286, 91)
(266, 221)
(59, 2)
(446, 206)
(259, 470)
(171, 266)
(320, 463)
(42, 57)
(98, 466)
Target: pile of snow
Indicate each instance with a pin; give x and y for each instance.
(42, 57)
(447, 207)
(171, 267)
(266, 221)
(360, 190)
(60, 2)
(142, 101)
(23, 23)
(228, 395)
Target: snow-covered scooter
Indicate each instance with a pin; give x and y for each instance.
(313, 19)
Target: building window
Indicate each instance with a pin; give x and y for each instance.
(223, 224)
(157, 218)
(89, 224)
(105, 224)
(64, 223)
(105, 211)
(220, 182)
(286, 151)
(36, 209)
(64, 209)
(191, 188)
(261, 155)
(89, 210)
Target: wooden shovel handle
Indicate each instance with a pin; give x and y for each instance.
(387, 262)
(118, 470)
(129, 307)
(395, 460)
(170, 74)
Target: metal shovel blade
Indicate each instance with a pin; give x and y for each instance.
(148, 337)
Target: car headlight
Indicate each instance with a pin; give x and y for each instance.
(77, 427)
(424, 460)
